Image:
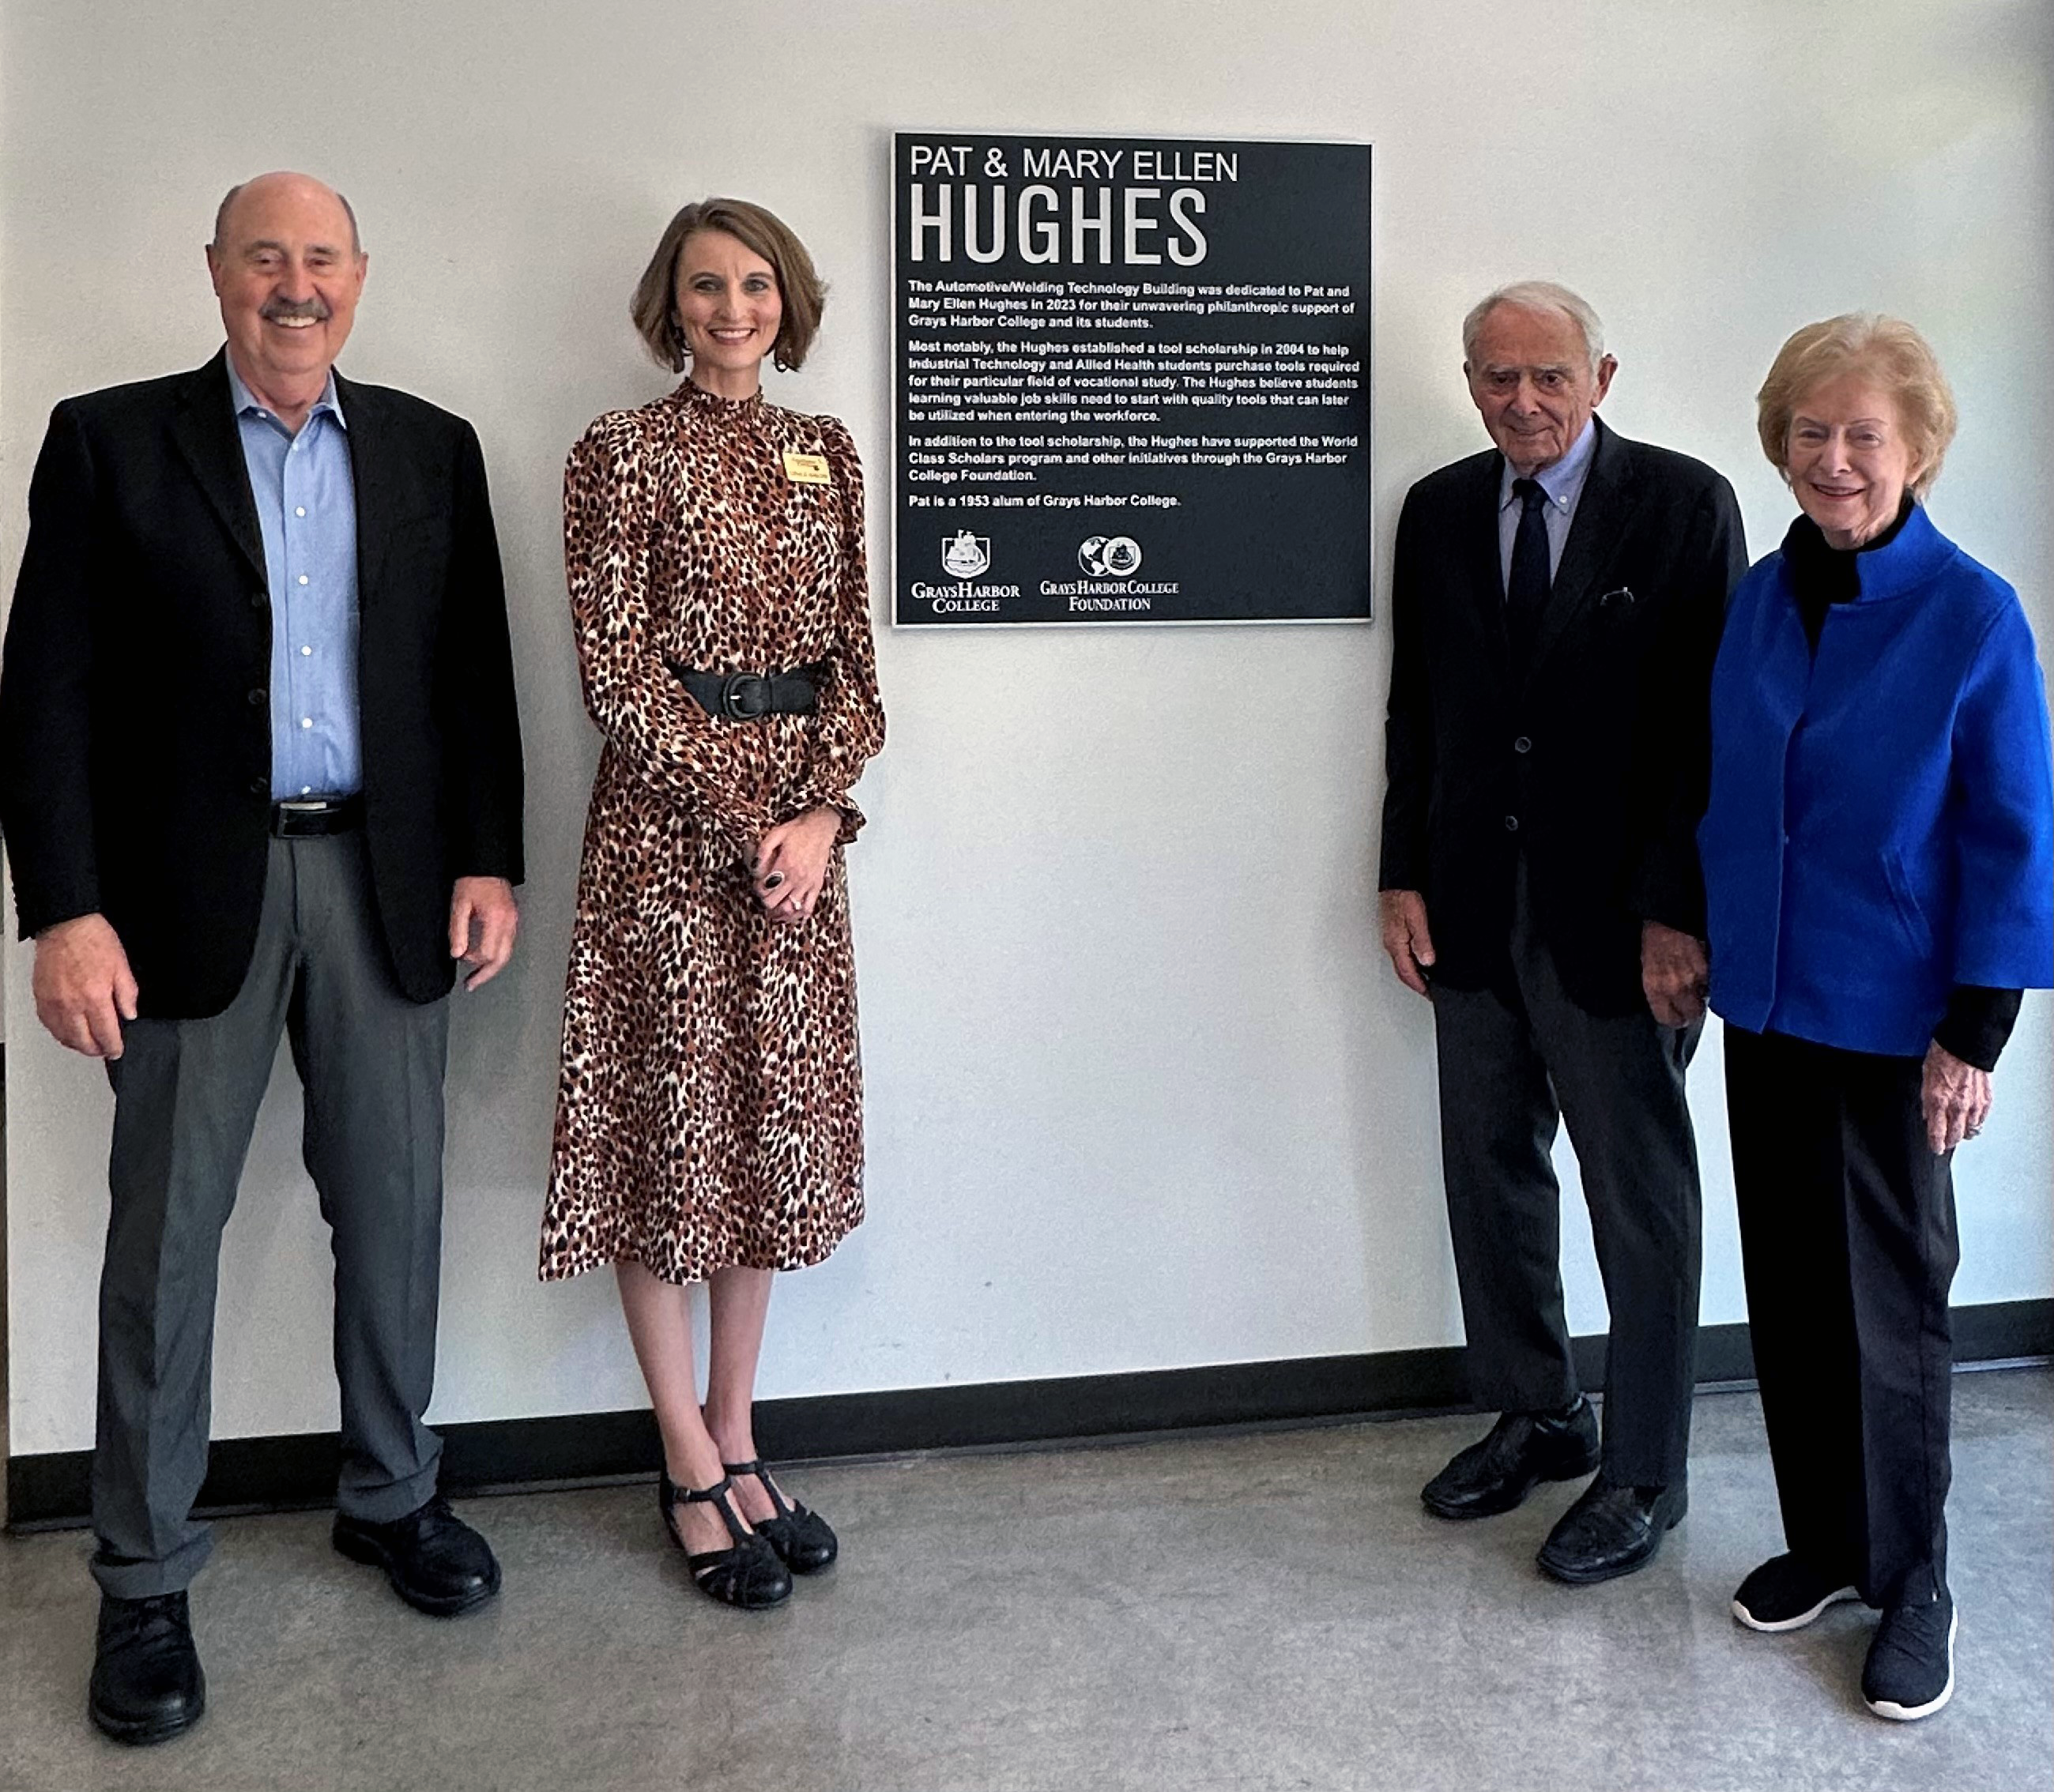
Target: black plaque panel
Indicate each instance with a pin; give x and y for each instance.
(1131, 380)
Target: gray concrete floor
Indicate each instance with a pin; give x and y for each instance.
(1232, 1613)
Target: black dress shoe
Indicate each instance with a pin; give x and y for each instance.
(1523, 1450)
(805, 1542)
(147, 1683)
(748, 1575)
(435, 1561)
(1612, 1530)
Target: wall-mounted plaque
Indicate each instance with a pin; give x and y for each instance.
(1131, 380)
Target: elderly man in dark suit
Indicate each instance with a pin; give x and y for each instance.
(1557, 605)
(260, 774)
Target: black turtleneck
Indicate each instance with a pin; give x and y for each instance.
(1978, 1020)
(1822, 575)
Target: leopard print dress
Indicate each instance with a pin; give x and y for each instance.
(709, 1112)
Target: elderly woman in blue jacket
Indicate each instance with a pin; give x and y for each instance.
(1881, 888)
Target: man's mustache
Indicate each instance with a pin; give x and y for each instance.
(278, 311)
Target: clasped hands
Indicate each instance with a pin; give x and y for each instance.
(791, 864)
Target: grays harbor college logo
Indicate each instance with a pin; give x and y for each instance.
(1115, 557)
(965, 556)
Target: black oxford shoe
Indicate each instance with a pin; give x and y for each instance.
(147, 1683)
(435, 1561)
(1523, 1450)
(1611, 1531)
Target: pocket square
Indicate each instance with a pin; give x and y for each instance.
(1620, 598)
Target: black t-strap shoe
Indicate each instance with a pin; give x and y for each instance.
(748, 1574)
(805, 1541)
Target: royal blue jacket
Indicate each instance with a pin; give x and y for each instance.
(1880, 822)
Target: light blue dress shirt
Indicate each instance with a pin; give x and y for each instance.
(306, 508)
(1562, 483)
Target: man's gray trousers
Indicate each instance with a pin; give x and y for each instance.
(187, 1094)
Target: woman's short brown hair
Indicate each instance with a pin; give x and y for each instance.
(1886, 350)
(802, 292)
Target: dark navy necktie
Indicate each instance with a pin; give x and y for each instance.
(1526, 590)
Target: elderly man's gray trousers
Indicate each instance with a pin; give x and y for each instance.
(1513, 1064)
(187, 1094)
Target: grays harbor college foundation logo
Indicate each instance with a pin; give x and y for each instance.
(965, 556)
(1115, 557)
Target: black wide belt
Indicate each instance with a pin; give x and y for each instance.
(745, 696)
(308, 818)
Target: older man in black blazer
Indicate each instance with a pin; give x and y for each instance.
(260, 774)
(1557, 605)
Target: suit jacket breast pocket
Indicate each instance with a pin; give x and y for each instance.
(1622, 622)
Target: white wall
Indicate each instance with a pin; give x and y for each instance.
(1141, 1094)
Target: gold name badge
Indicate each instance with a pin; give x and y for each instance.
(806, 469)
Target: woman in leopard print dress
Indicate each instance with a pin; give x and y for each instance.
(709, 1117)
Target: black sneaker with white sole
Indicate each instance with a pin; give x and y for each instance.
(1910, 1670)
(1786, 1594)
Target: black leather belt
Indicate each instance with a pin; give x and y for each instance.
(308, 818)
(745, 696)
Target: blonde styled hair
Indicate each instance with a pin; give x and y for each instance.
(803, 292)
(1886, 350)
